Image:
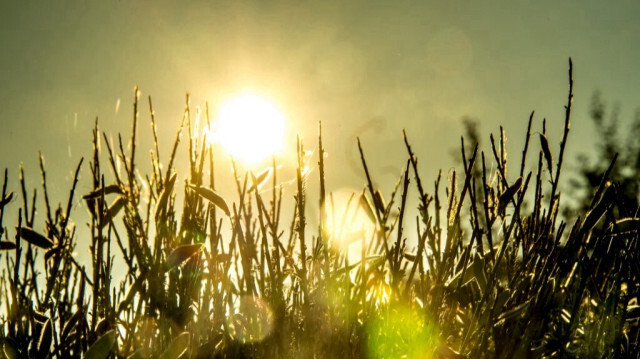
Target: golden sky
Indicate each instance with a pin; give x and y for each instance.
(364, 68)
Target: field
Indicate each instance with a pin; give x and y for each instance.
(497, 270)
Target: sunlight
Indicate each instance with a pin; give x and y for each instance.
(250, 128)
(348, 223)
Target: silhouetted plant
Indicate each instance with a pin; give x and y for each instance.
(215, 277)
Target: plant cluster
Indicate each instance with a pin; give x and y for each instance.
(495, 272)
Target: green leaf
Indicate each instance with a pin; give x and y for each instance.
(213, 197)
(366, 206)
(177, 347)
(46, 334)
(513, 312)
(625, 225)
(112, 211)
(101, 348)
(6, 245)
(34, 237)
(10, 348)
(260, 179)
(508, 194)
(593, 216)
(142, 353)
(544, 144)
(114, 188)
(181, 254)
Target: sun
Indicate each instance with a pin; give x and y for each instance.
(250, 128)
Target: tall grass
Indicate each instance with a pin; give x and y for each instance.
(495, 272)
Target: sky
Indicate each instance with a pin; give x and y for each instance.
(363, 68)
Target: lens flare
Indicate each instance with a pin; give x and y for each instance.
(252, 322)
(250, 128)
(402, 332)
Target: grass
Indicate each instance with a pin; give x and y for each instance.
(495, 272)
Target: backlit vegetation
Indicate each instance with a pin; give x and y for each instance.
(496, 272)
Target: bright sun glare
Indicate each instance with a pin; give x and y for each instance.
(250, 128)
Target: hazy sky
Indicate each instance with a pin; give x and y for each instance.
(367, 68)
